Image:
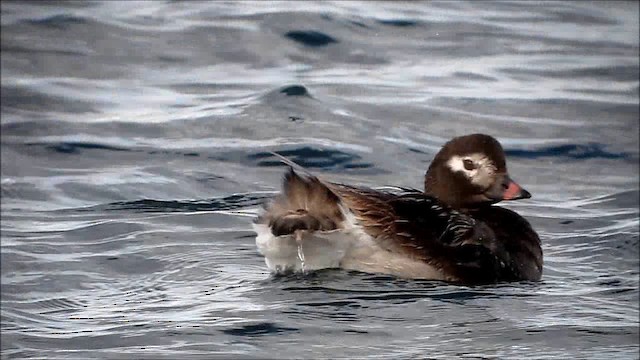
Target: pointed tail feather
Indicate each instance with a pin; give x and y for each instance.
(291, 163)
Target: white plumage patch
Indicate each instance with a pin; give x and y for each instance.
(482, 173)
(320, 249)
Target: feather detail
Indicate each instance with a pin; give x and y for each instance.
(305, 203)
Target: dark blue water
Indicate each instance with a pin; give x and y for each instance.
(135, 142)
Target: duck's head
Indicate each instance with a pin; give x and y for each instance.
(470, 171)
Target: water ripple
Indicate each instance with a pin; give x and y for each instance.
(136, 151)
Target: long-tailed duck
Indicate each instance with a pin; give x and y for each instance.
(451, 231)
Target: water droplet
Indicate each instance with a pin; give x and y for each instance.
(301, 255)
(298, 237)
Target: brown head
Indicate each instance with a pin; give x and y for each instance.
(470, 171)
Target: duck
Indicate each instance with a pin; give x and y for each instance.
(451, 231)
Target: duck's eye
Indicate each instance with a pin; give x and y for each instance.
(468, 164)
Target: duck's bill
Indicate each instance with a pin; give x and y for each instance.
(515, 192)
(507, 189)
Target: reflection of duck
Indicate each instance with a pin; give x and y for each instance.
(448, 232)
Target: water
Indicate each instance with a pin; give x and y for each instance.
(135, 154)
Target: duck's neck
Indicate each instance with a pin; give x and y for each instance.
(447, 190)
(443, 191)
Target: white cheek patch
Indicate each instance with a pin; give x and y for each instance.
(456, 163)
(481, 175)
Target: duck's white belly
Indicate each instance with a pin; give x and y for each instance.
(319, 250)
(349, 248)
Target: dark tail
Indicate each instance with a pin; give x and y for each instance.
(305, 203)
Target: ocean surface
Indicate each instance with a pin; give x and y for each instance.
(135, 140)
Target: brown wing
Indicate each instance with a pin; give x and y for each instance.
(410, 219)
